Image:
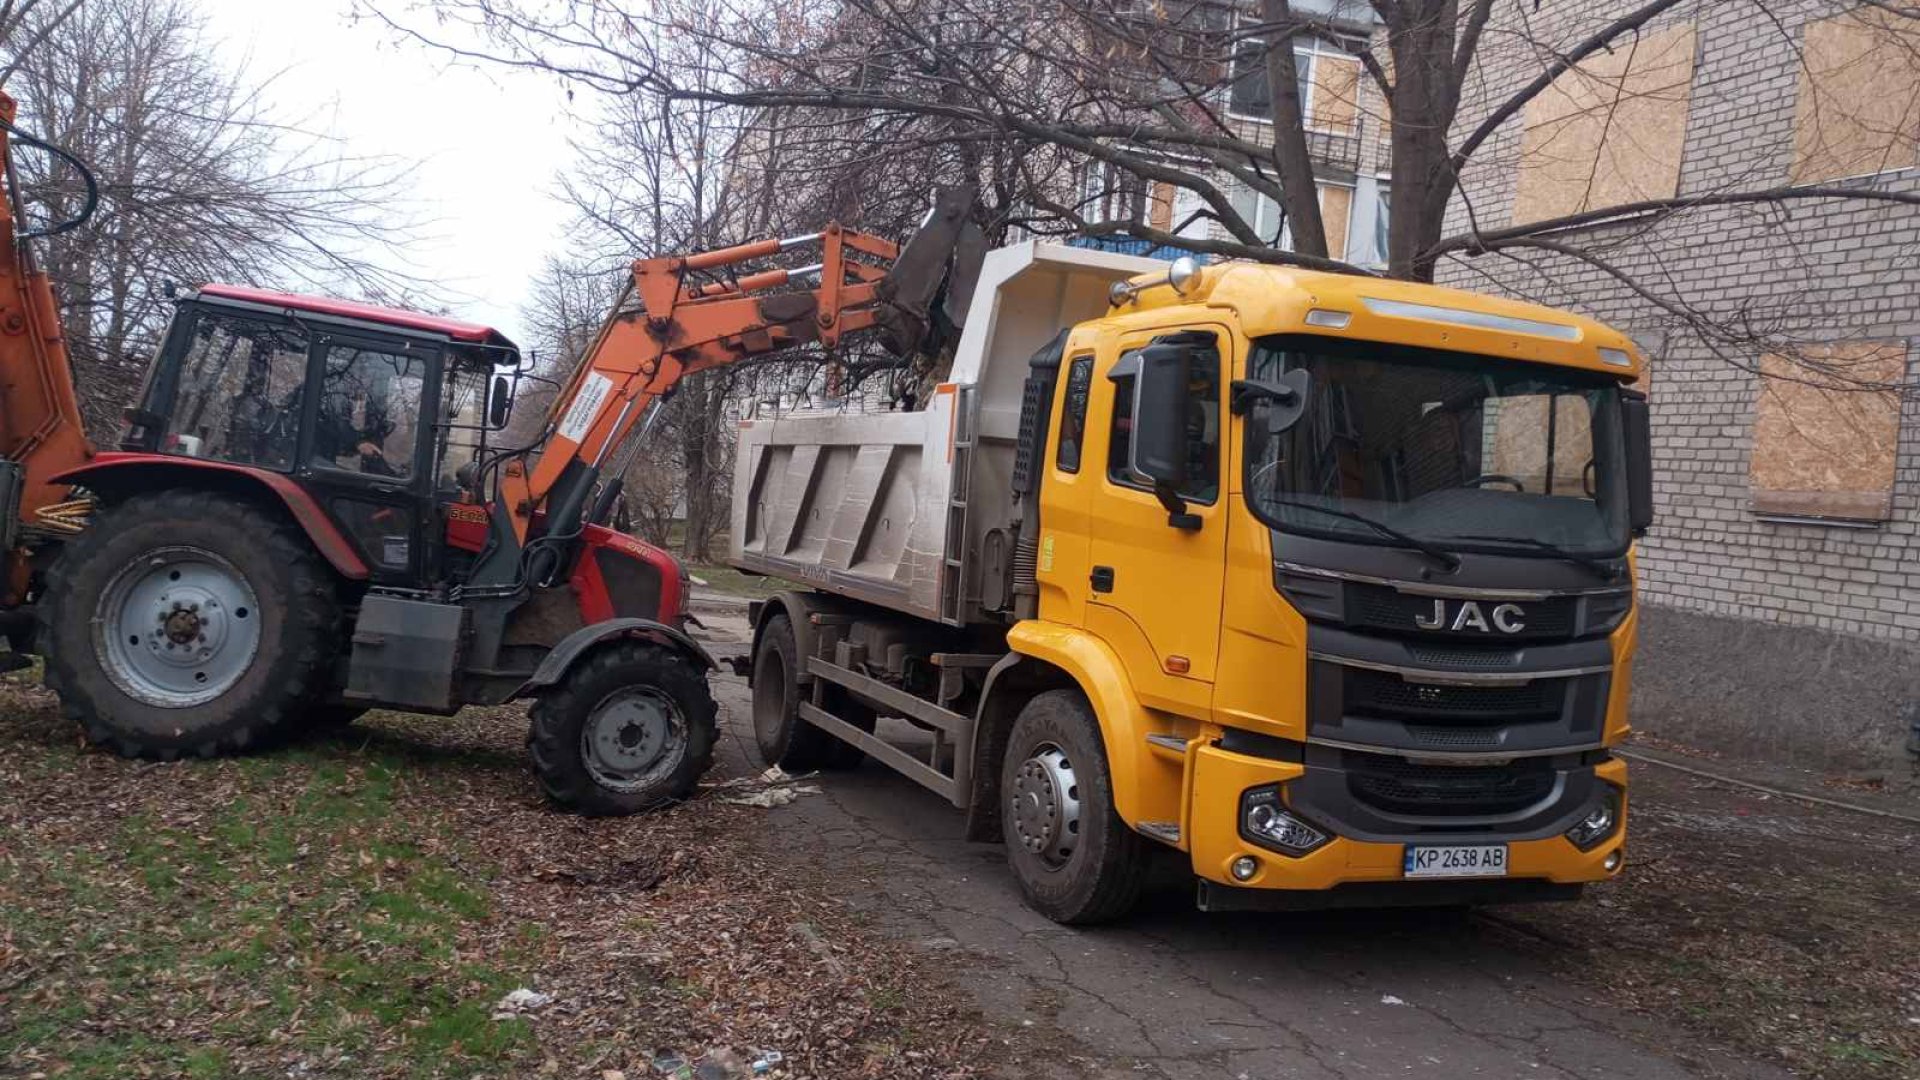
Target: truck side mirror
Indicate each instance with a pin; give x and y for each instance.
(1638, 428)
(1158, 450)
(499, 402)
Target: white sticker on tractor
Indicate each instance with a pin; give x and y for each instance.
(580, 417)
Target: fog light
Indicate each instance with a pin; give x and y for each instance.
(1266, 821)
(1612, 862)
(1245, 867)
(1598, 824)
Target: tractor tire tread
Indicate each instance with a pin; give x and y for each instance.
(553, 732)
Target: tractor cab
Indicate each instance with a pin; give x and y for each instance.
(371, 411)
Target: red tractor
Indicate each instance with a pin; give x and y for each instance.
(306, 519)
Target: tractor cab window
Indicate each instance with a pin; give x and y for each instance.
(464, 418)
(368, 420)
(237, 394)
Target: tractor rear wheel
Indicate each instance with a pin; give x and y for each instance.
(188, 622)
(631, 727)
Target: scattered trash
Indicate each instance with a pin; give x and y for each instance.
(765, 1061)
(697, 580)
(1389, 999)
(612, 1074)
(768, 798)
(721, 1064)
(672, 1065)
(939, 944)
(774, 787)
(520, 1001)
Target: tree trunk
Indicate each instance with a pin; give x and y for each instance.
(1300, 195)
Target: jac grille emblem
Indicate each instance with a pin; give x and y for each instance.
(1506, 618)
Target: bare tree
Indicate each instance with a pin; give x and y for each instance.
(198, 179)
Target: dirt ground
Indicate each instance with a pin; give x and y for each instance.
(361, 905)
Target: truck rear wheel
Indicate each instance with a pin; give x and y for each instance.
(630, 728)
(188, 622)
(1076, 861)
(784, 738)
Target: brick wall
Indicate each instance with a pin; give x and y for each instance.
(1821, 272)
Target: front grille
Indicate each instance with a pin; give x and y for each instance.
(1380, 607)
(1399, 786)
(1381, 693)
(1463, 659)
(1436, 737)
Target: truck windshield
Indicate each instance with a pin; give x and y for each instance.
(1466, 453)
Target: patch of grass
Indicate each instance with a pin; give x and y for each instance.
(299, 914)
(725, 579)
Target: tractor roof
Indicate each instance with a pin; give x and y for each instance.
(470, 333)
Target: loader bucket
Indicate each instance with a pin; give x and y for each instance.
(932, 281)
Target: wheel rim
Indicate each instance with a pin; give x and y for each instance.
(177, 627)
(633, 738)
(1045, 805)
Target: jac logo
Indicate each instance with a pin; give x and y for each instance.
(1506, 618)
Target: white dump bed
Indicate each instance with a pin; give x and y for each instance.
(893, 508)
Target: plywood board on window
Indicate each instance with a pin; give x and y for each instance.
(1160, 205)
(1517, 436)
(1822, 446)
(1335, 94)
(1336, 210)
(1610, 131)
(1859, 106)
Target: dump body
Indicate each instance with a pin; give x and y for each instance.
(896, 509)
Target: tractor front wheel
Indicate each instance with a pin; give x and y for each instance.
(629, 728)
(188, 622)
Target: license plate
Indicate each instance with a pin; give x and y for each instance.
(1475, 860)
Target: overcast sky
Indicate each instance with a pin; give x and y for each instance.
(487, 143)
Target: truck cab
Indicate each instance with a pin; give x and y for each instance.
(1387, 618)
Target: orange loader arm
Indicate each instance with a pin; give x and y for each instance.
(40, 427)
(679, 328)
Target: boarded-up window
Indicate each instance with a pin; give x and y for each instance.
(1610, 131)
(1160, 205)
(1859, 105)
(1823, 447)
(1336, 86)
(1336, 210)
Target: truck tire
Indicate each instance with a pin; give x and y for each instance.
(629, 728)
(1076, 861)
(784, 738)
(188, 622)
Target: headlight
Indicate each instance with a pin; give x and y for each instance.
(1599, 823)
(1265, 820)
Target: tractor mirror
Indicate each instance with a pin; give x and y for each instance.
(499, 402)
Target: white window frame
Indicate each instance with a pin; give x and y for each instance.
(1307, 52)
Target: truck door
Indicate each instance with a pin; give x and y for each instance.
(1154, 587)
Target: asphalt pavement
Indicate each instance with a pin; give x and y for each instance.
(1180, 994)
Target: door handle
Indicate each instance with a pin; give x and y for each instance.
(1102, 579)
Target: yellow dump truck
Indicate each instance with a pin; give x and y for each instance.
(1321, 584)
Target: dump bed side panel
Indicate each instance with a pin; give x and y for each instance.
(898, 508)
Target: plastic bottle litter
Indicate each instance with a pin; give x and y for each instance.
(673, 1065)
(765, 1061)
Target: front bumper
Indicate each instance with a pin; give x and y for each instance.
(1214, 842)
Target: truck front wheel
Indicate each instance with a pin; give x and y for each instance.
(188, 622)
(1076, 861)
(629, 728)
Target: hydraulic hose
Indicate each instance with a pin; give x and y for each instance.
(87, 208)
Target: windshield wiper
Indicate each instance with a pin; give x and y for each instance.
(1447, 559)
(1601, 568)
